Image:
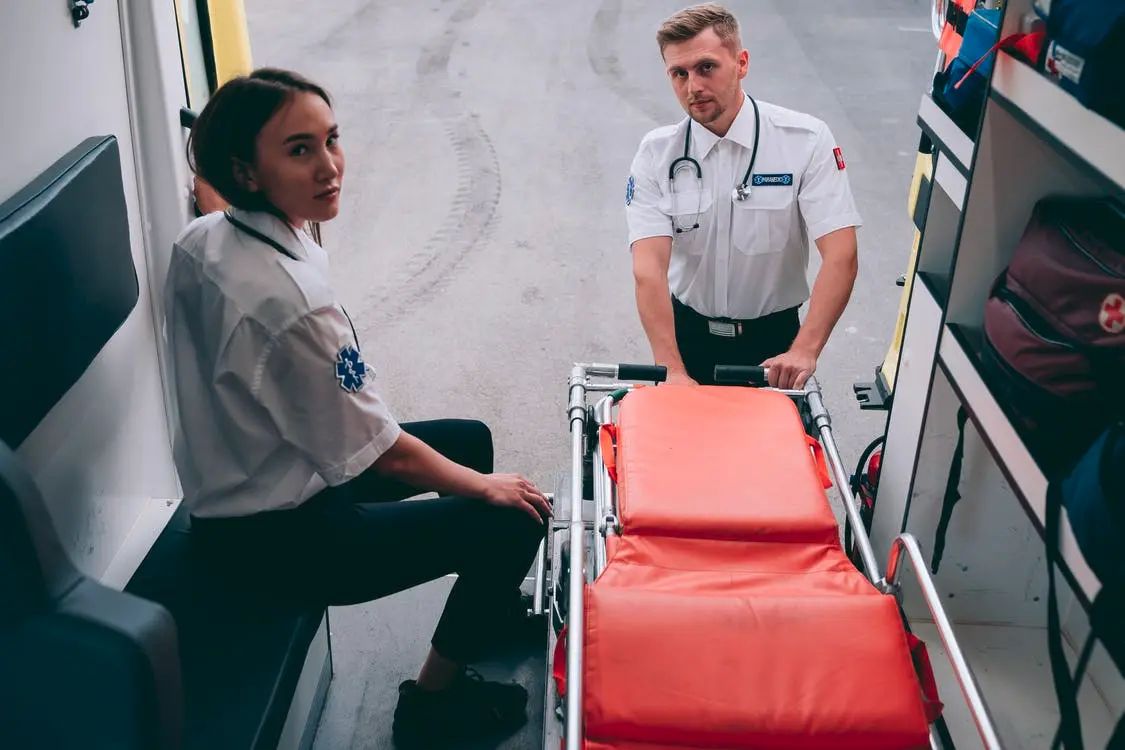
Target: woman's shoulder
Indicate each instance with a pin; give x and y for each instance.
(257, 282)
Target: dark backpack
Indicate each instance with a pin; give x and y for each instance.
(1093, 495)
(1085, 51)
(1054, 327)
(1054, 337)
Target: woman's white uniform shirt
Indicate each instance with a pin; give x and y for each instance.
(274, 399)
(747, 258)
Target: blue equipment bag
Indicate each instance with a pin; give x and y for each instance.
(982, 32)
(1085, 51)
(961, 88)
(1093, 494)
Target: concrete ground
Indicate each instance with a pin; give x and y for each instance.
(481, 244)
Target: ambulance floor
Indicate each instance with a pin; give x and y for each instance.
(384, 645)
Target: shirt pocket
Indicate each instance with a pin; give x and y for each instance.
(762, 223)
(686, 208)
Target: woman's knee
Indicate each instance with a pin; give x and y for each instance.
(478, 445)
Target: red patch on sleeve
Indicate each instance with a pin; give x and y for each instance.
(839, 157)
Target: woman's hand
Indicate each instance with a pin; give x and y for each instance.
(514, 491)
(207, 198)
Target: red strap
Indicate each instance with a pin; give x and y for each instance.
(931, 701)
(1025, 44)
(558, 663)
(819, 462)
(607, 436)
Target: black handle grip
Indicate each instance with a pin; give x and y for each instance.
(740, 375)
(187, 118)
(654, 373)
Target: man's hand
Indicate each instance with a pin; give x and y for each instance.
(791, 369)
(512, 490)
(678, 377)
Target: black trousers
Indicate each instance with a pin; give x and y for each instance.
(354, 543)
(756, 340)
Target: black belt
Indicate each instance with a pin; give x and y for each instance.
(727, 327)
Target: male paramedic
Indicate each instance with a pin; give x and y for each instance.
(720, 209)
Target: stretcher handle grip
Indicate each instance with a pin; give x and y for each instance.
(653, 373)
(741, 375)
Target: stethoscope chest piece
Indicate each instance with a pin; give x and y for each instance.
(741, 193)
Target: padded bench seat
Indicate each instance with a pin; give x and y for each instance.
(718, 463)
(240, 661)
(702, 671)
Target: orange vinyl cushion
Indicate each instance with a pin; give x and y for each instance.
(738, 671)
(732, 568)
(713, 462)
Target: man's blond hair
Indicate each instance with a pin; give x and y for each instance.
(694, 20)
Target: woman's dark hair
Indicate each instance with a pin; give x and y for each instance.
(227, 129)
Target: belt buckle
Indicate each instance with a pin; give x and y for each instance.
(721, 328)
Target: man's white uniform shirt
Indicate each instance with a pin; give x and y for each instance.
(273, 397)
(747, 258)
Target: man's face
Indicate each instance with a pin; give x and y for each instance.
(707, 77)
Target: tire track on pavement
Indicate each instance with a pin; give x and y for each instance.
(601, 50)
(473, 210)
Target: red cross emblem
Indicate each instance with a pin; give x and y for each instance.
(1112, 315)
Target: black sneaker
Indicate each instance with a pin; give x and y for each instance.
(472, 709)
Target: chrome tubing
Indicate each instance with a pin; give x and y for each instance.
(604, 507)
(540, 576)
(575, 615)
(823, 421)
(906, 542)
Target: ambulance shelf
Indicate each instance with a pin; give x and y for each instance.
(1058, 117)
(1008, 449)
(945, 134)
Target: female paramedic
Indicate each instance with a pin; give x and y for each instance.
(290, 460)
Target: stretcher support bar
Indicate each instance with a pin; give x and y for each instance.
(603, 489)
(576, 625)
(906, 543)
(823, 422)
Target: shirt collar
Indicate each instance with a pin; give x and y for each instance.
(272, 227)
(741, 131)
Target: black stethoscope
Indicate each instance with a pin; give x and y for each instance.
(284, 251)
(740, 193)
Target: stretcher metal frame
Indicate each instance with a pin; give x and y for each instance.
(585, 565)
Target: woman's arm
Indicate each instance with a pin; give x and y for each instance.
(413, 462)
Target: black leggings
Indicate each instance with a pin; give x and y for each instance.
(354, 543)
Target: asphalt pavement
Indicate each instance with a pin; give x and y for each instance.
(481, 247)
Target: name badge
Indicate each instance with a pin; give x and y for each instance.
(774, 180)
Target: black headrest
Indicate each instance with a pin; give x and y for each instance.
(67, 280)
(34, 568)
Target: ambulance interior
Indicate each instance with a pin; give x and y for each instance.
(742, 622)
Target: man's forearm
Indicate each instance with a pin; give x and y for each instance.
(655, 307)
(829, 298)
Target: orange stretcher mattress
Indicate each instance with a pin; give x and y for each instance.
(728, 616)
(718, 463)
(676, 670)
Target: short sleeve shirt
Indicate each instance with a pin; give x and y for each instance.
(740, 259)
(273, 397)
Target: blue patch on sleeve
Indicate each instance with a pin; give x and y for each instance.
(772, 180)
(350, 369)
(630, 188)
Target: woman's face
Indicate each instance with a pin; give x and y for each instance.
(300, 164)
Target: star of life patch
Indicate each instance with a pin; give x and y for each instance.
(630, 188)
(350, 369)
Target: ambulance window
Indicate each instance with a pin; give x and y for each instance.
(194, 42)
